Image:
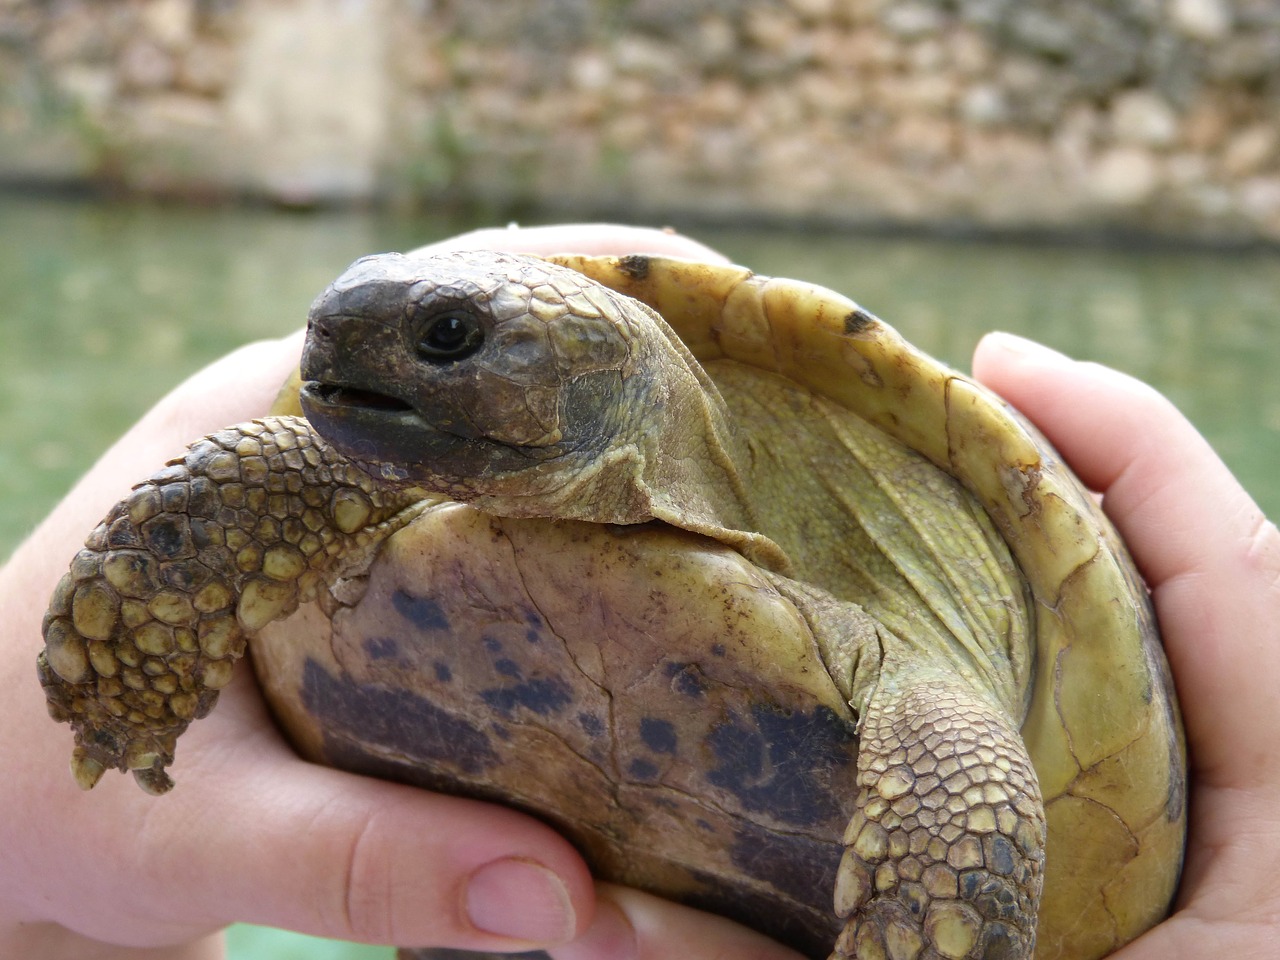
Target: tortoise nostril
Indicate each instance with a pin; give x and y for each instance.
(317, 327)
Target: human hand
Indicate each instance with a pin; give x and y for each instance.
(255, 834)
(1212, 562)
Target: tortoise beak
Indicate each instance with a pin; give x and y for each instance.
(335, 398)
(371, 426)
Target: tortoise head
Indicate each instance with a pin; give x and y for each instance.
(452, 370)
(517, 384)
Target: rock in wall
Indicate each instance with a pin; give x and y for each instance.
(1148, 115)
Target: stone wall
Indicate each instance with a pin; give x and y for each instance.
(1071, 115)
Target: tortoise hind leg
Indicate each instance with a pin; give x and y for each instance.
(944, 855)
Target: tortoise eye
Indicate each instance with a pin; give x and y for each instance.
(449, 336)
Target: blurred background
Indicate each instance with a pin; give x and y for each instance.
(180, 176)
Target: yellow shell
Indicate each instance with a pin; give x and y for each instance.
(1103, 728)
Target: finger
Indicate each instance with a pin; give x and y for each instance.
(1179, 940)
(585, 238)
(630, 925)
(1209, 555)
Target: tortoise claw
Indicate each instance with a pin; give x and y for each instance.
(85, 769)
(153, 779)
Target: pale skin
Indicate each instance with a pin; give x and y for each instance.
(254, 834)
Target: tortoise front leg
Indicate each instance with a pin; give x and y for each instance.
(142, 632)
(945, 853)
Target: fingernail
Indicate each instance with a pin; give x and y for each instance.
(610, 937)
(1022, 347)
(522, 900)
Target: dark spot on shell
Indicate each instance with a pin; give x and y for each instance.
(492, 644)
(717, 649)
(532, 635)
(508, 668)
(542, 696)
(361, 718)
(685, 679)
(635, 266)
(794, 865)
(781, 864)
(658, 735)
(442, 671)
(590, 723)
(856, 321)
(781, 762)
(423, 612)
(641, 769)
(382, 648)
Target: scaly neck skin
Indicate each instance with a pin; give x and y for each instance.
(672, 457)
(690, 456)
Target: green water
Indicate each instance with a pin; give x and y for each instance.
(104, 307)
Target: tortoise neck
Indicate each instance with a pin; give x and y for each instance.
(690, 455)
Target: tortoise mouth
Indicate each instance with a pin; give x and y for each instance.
(437, 448)
(336, 396)
(371, 427)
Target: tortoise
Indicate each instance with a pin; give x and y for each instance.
(769, 612)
